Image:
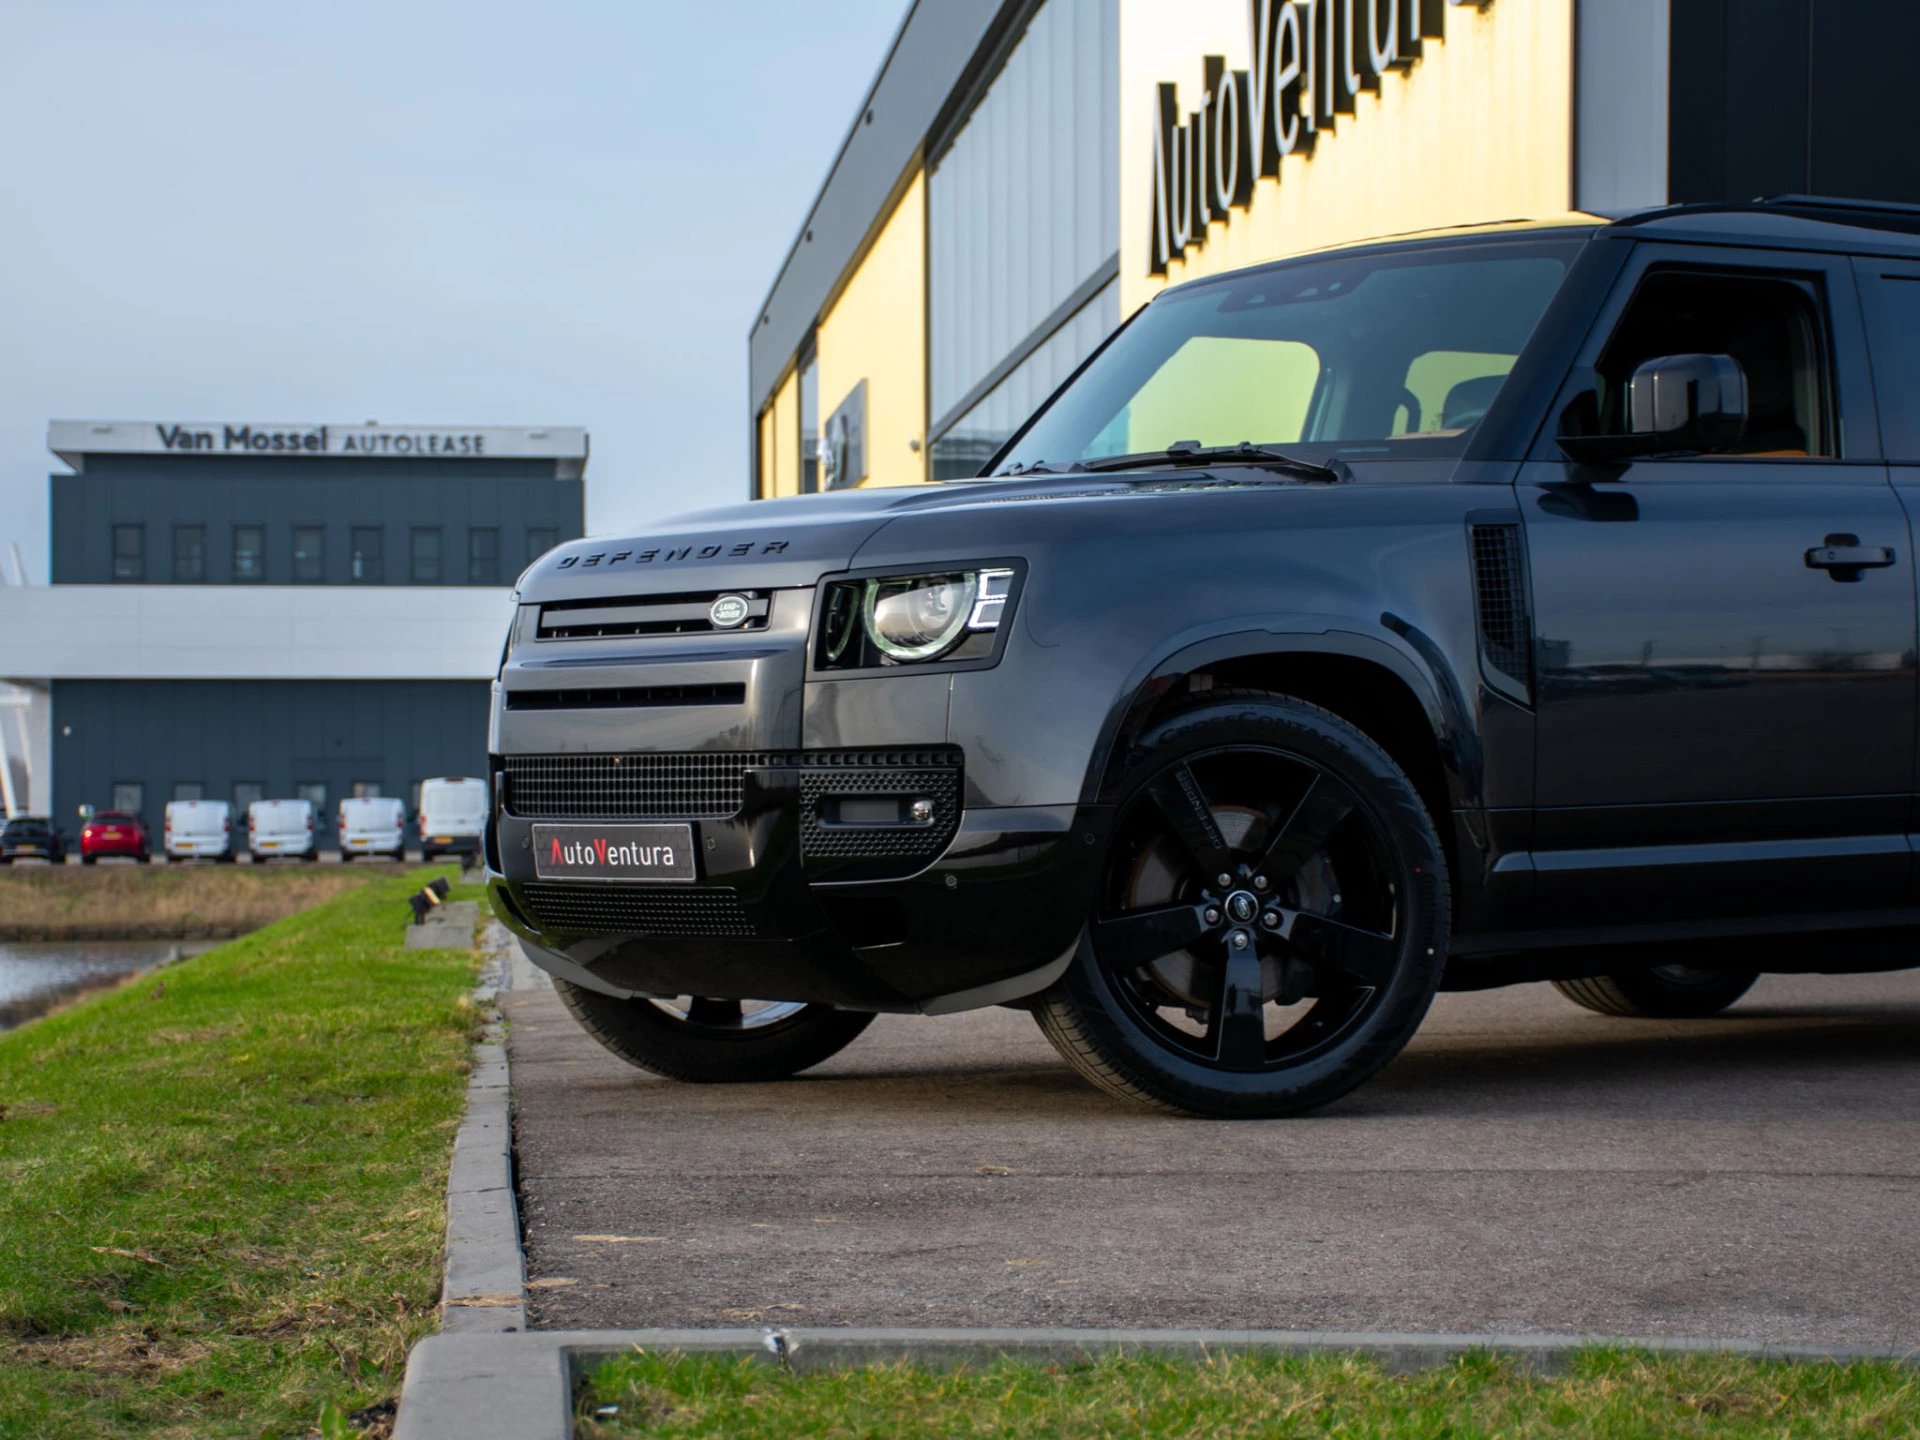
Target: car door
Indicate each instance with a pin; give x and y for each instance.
(1724, 644)
(1890, 303)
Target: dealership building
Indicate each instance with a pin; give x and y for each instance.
(241, 611)
(1021, 177)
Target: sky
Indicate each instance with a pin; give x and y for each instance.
(563, 213)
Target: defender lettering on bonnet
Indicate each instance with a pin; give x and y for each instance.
(664, 555)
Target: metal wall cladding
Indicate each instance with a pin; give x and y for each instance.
(1023, 208)
(971, 440)
(276, 734)
(518, 499)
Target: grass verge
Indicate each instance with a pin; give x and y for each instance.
(222, 1187)
(1605, 1393)
(160, 902)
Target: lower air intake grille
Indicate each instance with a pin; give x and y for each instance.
(629, 787)
(632, 910)
(1500, 594)
(830, 795)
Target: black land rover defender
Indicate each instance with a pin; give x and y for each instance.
(1520, 604)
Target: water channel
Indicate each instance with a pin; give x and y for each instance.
(36, 976)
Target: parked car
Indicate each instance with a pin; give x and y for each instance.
(113, 833)
(281, 828)
(1531, 603)
(453, 812)
(198, 830)
(373, 826)
(31, 837)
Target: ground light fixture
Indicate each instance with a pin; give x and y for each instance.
(427, 898)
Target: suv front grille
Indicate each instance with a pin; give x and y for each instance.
(707, 785)
(714, 913)
(648, 615)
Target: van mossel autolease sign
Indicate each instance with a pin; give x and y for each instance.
(68, 438)
(1311, 59)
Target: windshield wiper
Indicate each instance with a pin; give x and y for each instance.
(1188, 452)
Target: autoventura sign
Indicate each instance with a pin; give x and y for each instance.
(1311, 61)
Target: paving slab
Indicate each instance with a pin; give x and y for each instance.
(1526, 1167)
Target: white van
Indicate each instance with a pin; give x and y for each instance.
(453, 811)
(198, 829)
(373, 826)
(281, 827)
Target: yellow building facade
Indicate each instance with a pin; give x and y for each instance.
(1022, 179)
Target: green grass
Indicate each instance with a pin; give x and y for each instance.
(1605, 1393)
(222, 1187)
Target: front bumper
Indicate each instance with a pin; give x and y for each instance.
(989, 919)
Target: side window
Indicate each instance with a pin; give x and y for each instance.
(309, 554)
(130, 552)
(1772, 325)
(1892, 305)
(424, 555)
(249, 554)
(189, 554)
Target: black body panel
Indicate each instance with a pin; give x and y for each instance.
(1638, 706)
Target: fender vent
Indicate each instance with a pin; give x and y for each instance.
(1500, 597)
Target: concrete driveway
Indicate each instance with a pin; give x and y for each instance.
(1525, 1166)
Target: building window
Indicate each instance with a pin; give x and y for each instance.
(130, 552)
(368, 563)
(129, 796)
(309, 554)
(366, 790)
(483, 555)
(540, 539)
(810, 425)
(249, 554)
(247, 792)
(426, 555)
(314, 792)
(189, 554)
(189, 790)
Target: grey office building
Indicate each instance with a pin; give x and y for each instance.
(243, 611)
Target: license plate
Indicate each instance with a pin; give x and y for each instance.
(443, 839)
(634, 853)
(29, 849)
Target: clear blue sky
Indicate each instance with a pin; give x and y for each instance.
(411, 211)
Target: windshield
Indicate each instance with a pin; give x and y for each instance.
(1395, 354)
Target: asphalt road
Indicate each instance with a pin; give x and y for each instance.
(1525, 1166)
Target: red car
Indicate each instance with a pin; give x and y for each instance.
(113, 832)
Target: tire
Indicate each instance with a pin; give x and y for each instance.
(648, 1034)
(1233, 787)
(1660, 992)
(89, 859)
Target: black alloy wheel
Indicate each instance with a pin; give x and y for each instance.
(1271, 922)
(713, 1041)
(1674, 990)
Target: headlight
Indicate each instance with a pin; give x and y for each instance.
(906, 619)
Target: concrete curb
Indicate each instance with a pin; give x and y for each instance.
(471, 1387)
(484, 1292)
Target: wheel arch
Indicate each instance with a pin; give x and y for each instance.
(1381, 684)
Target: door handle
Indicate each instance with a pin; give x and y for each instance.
(1845, 557)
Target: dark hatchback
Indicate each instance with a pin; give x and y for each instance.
(29, 837)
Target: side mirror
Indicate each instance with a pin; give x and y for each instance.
(1676, 405)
